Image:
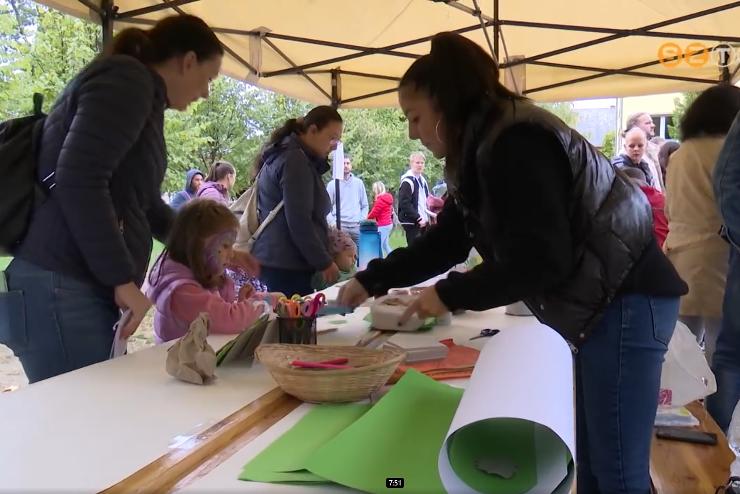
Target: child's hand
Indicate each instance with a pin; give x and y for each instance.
(245, 292)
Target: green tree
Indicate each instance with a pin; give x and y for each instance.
(607, 147)
(681, 104)
(563, 110)
(377, 140)
(42, 50)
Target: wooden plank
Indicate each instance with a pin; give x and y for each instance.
(210, 448)
(238, 443)
(685, 468)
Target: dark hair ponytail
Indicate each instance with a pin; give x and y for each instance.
(170, 37)
(219, 170)
(459, 76)
(321, 116)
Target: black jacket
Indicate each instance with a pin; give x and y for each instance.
(408, 199)
(105, 138)
(556, 226)
(298, 236)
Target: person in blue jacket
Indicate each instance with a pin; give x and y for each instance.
(295, 245)
(726, 359)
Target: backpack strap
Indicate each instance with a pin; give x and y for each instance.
(271, 216)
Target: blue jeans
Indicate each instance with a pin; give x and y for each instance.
(385, 237)
(726, 359)
(617, 382)
(55, 323)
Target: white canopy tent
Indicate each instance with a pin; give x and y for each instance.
(351, 53)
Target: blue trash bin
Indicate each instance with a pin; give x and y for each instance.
(369, 247)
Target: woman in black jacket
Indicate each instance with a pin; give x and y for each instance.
(103, 156)
(558, 227)
(295, 245)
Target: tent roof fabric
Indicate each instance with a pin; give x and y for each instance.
(353, 52)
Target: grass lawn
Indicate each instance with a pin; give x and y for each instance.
(398, 238)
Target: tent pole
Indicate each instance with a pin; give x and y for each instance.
(335, 101)
(496, 29)
(725, 75)
(107, 16)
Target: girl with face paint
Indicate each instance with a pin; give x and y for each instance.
(189, 277)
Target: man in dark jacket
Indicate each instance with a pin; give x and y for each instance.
(193, 179)
(412, 199)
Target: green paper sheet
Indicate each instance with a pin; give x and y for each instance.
(399, 437)
(508, 439)
(285, 459)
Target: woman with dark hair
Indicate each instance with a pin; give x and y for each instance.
(102, 156)
(693, 244)
(220, 180)
(295, 244)
(582, 255)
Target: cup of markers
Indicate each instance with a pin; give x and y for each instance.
(297, 318)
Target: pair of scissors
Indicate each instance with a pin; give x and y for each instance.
(310, 306)
(290, 307)
(486, 333)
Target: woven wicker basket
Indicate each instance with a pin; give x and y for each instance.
(374, 368)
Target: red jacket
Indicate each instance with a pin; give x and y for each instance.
(382, 211)
(657, 203)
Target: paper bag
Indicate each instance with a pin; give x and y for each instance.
(192, 359)
(686, 375)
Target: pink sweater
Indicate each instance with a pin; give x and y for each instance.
(178, 300)
(214, 191)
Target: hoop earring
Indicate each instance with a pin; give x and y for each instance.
(436, 132)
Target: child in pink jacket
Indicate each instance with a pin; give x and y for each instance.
(188, 278)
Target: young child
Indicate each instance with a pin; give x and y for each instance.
(343, 251)
(635, 145)
(188, 278)
(656, 200)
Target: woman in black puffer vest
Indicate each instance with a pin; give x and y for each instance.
(88, 245)
(558, 227)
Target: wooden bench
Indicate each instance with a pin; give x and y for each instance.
(686, 468)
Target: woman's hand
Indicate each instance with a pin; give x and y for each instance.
(129, 297)
(246, 261)
(331, 274)
(352, 294)
(427, 305)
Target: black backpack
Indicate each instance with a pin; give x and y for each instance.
(20, 190)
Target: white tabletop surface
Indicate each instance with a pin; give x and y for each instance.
(89, 429)
(224, 478)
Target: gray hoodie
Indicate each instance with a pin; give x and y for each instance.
(187, 193)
